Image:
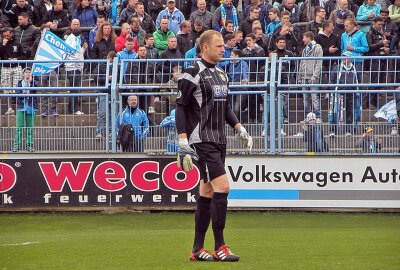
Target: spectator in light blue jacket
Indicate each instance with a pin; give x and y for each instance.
(174, 16)
(354, 40)
(172, 136)
(139, 121)
(127, 53)
(238, 74)
(230, 45)
(191, 54)
(367, 12)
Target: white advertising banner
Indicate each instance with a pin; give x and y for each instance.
(314, 182)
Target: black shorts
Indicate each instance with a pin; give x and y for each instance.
(211, 160)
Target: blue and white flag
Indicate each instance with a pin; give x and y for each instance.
(51, 47)
(387, 111)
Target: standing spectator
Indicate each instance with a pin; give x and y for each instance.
(274, 21)
(343, 7)
(310, 73)
(389, 26)
(202, 14)
(137, 31)
(240, 44)
(152, 52)
(225, 12)
(230, 44)
(394, 11)
(228, 29)
(155, 6)
(367, 12)
(103, 42)
(170, 53)
(74, 72)
(263, 15)
(11, 73)
(26, 34)
(42, 6)
(86, 15)
(125, 33)
(26, 112)
(355, 41)
(197, 30)
(369, 143)
(92, 34)
(20, 7)
(184, 38)
(262, 39)
(292, 8)
(192, 53)
(239, 74)
(378, 46)
(56, 18)
(172, 137)
(127, 53)
(246, 25)
(339, 24)
(292, 42)
(315, 25)
(146, 22)
(136, 117)
(161, 36)
(313, 134)
(127, 12)
(173, 15)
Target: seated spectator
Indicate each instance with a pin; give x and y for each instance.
(152, 52)
(313, 134)
(92, 34)
(103, 42)
(26, 112)
(292, 8)
(127, 12)
(22, 6)
(202, 14)
(137, 118)
(56, 18)
(161, 36)
(183, 37)
(369, 143)
(173, 15)
(26, 33)
(86, 15)
(170, 53)
(275, 21)
(125, 33)
(367, 12)
(146, 22)
(246, 25)
(137, 31)
(225, 12)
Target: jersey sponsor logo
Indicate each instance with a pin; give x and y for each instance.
(220, 91)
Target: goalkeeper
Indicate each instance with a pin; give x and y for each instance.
(202, 110)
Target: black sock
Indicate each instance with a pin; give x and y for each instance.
(219, 205)
(202, 220)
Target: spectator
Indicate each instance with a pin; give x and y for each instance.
(246, 25)
(127, 53)
(310, 73)
(173, 15)
(136, 117)
(263, 15)
(378, 46)
(56, 18)
(125, 33)
(161, 36)
(102, 102)
(146, 22)
(75, 26)
(389, 26)
(170, 53)
(191, 54)
(274, 21)
(225, 12)
(42, 6)
(26, 112)
(339, 24)
(369, 143)
(202, 14)
(26, 33)
(239, 40)
(172, 137)
(155, 6)
(313, 134)
(137, 31)
(230, 43)
(394, 11)
(315, 25)
(86, 15)
(11, 73)
(229, 28)
(355, 41)
(343, 7)
(103, 42)
(127, 12)
(262, 39)
(367, 12)
(238, 74)
(74, 72)
(184, 38)
(197, 30)
(345, 73)
(292, 42)
(173, 85)
(292, 8)
(152, 52)
(101, 8)
(92, 34)
(22, 6)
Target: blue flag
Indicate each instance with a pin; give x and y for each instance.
(51, 47)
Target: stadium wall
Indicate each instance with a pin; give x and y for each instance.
(141, 182)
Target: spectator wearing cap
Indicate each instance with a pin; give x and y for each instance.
(202, 14)
(368, 12)
(394, 11)
(343, 9)
(369, 143)
(173, 15)
(313, 134)
(339, 23)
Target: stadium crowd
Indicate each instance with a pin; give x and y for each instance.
(159, 29)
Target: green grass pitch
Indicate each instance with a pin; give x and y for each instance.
(163, 241)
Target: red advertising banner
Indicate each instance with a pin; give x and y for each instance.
(96, 182)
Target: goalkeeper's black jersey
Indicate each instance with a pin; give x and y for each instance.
(203, 105)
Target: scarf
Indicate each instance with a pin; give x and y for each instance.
(234, 17)
(309, 48)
